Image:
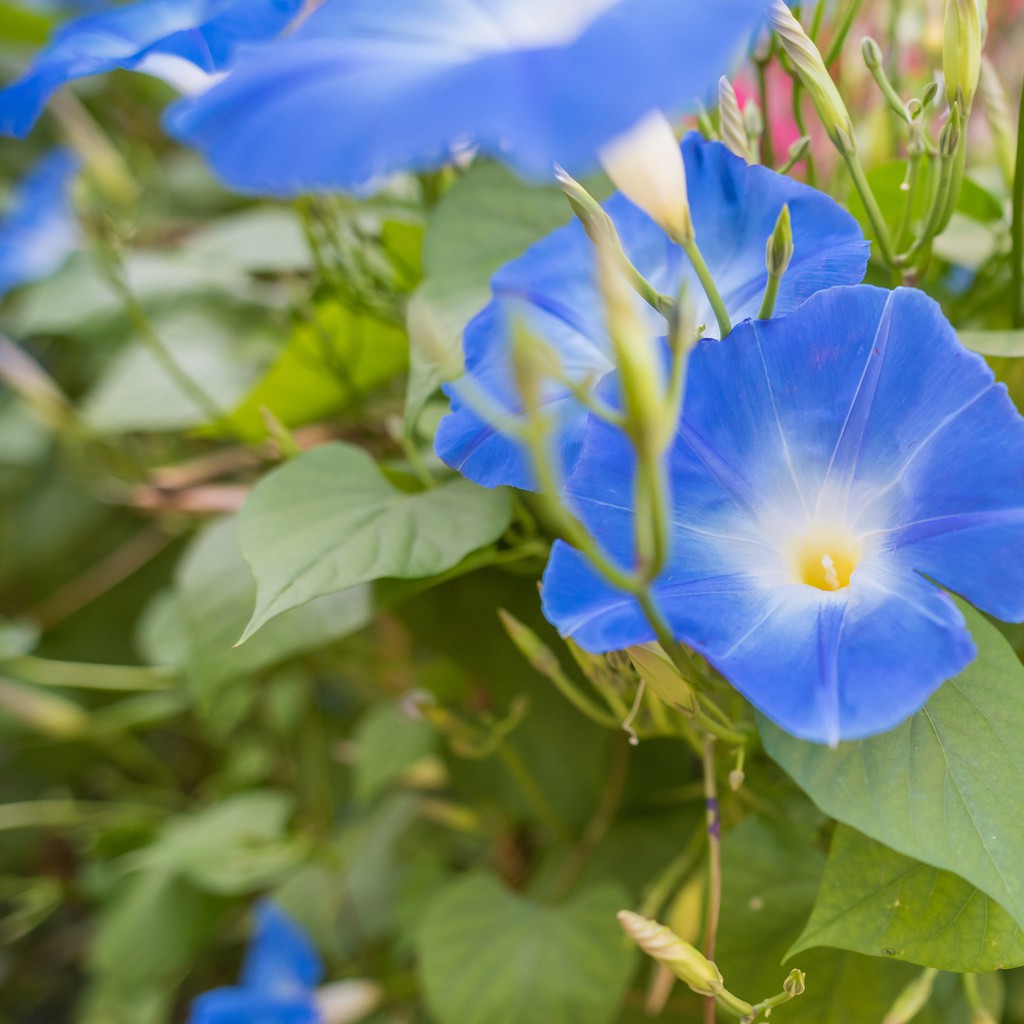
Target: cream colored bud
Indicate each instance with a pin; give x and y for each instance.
(815, 77)
(646, 165)
(683, 960)
(730, 120)
(346, 1002)
(961, 51)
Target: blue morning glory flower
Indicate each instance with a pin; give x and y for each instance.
(156, 36)
(734, 208)
(828, 466)
(279, 979)
(39, 230)
(366, 88)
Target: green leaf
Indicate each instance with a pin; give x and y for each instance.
(329, 520)
(994, 343)
(490, 956)
(771, 871)
(221, 356)
(325, 366)
(194, 626)
(260, 240)
(236, 846)
(876, 901)
(487, 218)
(387, 742)
(944, 786)
(150, 932)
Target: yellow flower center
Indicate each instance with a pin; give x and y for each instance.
(825, 558)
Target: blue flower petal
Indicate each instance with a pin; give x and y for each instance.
(531, 82)
(281, 961)
(39, 231)
(278, 980)
(734, 208)
(242, 1006)
(856, 424)
(205, 33)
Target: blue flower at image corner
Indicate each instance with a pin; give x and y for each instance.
(828, 466)
(366, 88)
(734, 208)
(175, 39)
(279, 978)
(39, 229)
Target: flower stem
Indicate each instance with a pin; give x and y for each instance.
(114, 269)
(771, 293)
(836, 46)
(531, 791)
(1017, 257)
(710, 288)
(867, 196)
(714, 829)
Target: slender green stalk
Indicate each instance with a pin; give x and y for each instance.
(114, 270)
(913, 181)
(845, 24)
(598, 826)
(531, 791)
(932, 225)
(771, 293)
(980, 1013)
(816, 19)
(867, 196)
(1017, 255)
(89, 676)
(893, 55)
(767, 142)
(892, 97)
(801, 124)
(714, 830)
(710, 288)
(652, 514)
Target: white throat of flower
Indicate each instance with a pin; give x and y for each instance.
(524, 24)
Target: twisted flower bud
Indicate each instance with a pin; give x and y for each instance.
(683, 960)
(815, 77)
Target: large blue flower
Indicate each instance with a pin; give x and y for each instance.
(149, 36)
(366, 88)
(39, 230)
(734, 209)
(828, 466)
(278, 983)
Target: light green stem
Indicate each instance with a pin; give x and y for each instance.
(710, 288)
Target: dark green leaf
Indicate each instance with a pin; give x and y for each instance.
(876, 901)
(771, 872)
(944, 786)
